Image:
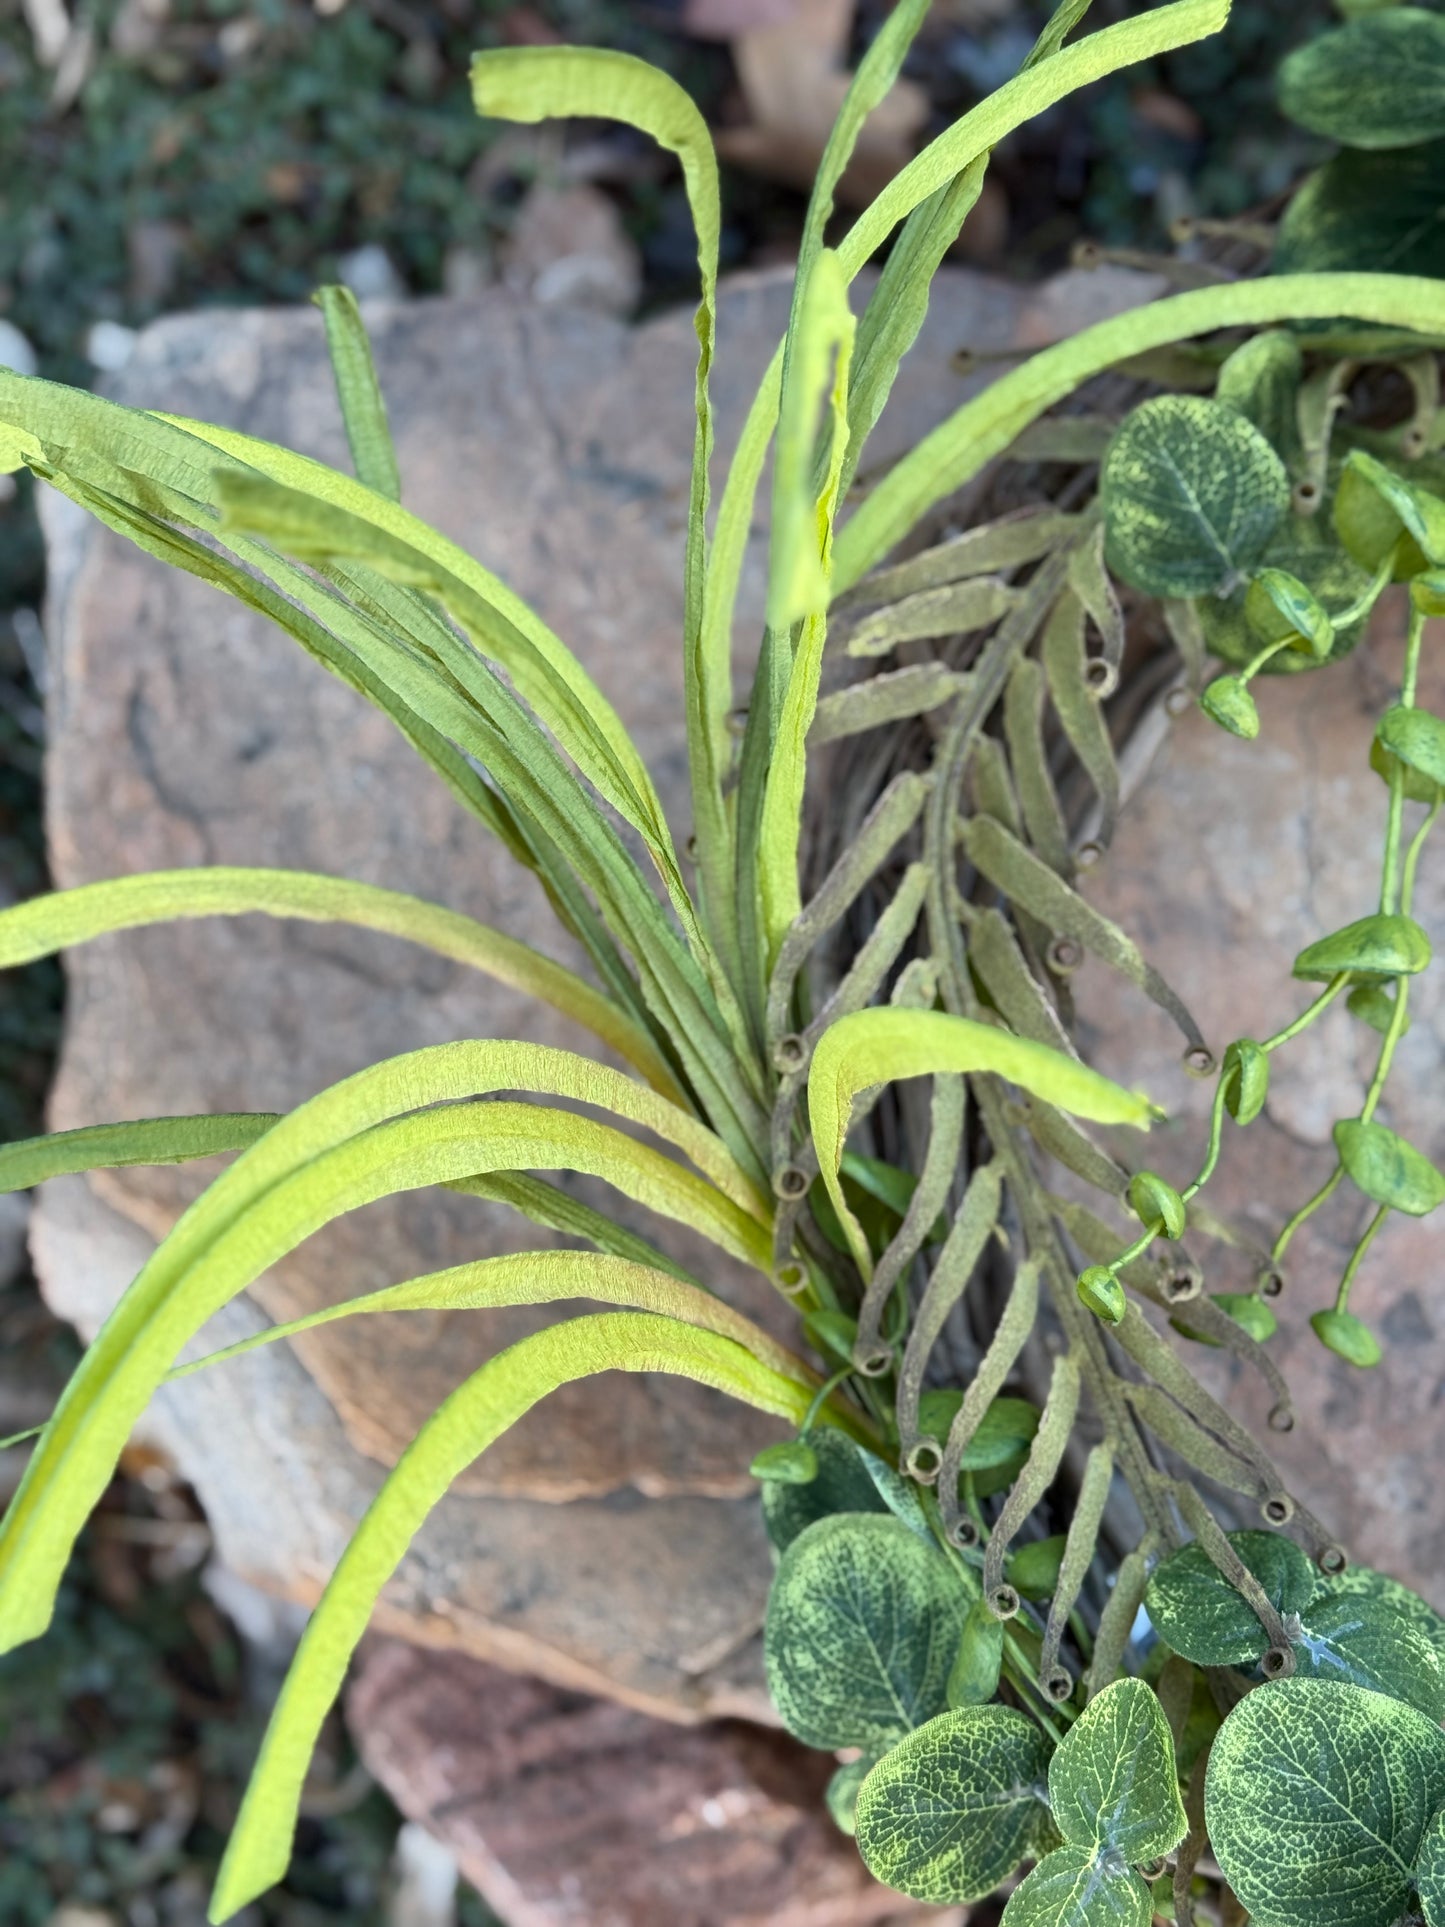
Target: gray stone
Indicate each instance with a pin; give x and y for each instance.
(1231, 857)
(611, 1541)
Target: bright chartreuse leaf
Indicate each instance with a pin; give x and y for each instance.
(1317, 1798)
(1197, 1611)
(1430, 1872)
(363, 411)
(862, 1627)
(841, 1484)
(1372, 213)
(1389, 1169)
(953, 1809)
(104, 1147)
(1378, 512)
(1192, 495)
(1373, 83)
(1113, 1787)
(1073, 1887)
(879, 1045)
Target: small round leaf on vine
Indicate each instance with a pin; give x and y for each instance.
(1246, 1078)
(1347, 1337)
(1376, 947)
(1427, 593)
(1389, 1169)
(1192, 493)
(841, 1484)
(1373, 1005)
(1280, 608)
(1377, 82)
(1102, 1293)
(1249, 1312)
(1033, 1570)
(1379, 514)
(952, 1810)
(1227, 701)
(973, 1679)
(1154, 1202)
(1417, 739)
(1317, 1798)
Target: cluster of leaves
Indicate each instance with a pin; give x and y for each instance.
(905, 1588)
(1377, 86)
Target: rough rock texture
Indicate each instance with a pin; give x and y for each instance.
(1233, 856)
(555, 445)
(569, 1812)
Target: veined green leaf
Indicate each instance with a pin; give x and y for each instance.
(1430, 1871)
(1317, 1799)
(209, 1254)
(952, 1810)
(843, 1485)
(982, 428)
(1200, 1614)
(863, 1623)
(1073, 1887)
(478, 1412)
(881, 1046)
(362, 409)
(541, 1278)
(69, 917)
(1364, 1582)
(1389, 1169)
(149, 1140)
(1374, 83)
(1378, 211)
(1113, 1787)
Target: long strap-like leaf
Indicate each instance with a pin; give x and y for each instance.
(147, 1140)
(69, 917)
(363, 412)
(489, 1402)
(984, 427)
(880, 1046)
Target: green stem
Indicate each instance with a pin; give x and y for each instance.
(1267, 654)
(1387, 1048)
(1307, 1016)
(1390, 882)
(1326, 1191)
(1216, 1138)
(1366, 600)
(1357, 1256)
(1412, 855)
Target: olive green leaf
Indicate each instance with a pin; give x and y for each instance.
(1375, 82)
(1364, 1582)
(841, 1796)
(900, 1495)
(149, 1140)
(1246, 1071)
(1033, 1570)
(953, 1809)
(1249, 1311)
(1262, 379)
(1430, 1872)
(1100, 1291)
(863, 1624)
(1196, 1611)
(1317, 1798)
(973, 1677)
(1377, 512)
(1373, 1005)
(1389, 1169)
(1347, 1337)
(841, 1484)
(1374, 948)
(1281, 608)
(1112, 1782)
(1073, 1887)
(1370, 1642)
(1227, 701)
(1417, 739)
(1427, 592)
(479, 1411)
(363, 412)
(1192, 493)
(788, 1463)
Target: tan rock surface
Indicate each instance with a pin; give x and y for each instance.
(556, 446)
(1233, 856)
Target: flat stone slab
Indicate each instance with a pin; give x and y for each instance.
(1230, 858)
(565, 1811)
(611, 1541)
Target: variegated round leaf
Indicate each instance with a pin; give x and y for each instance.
(1370, 213)
(1113, 1785)
(1197, 1612)
(1376, 82)
(1074, 1887)
(952, 1810)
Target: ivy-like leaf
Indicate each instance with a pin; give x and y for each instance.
(1192, 494)
(1417, 739)
(1374, 948)
(1430, 1872)
(1317, 1798)
(842, 1484)
(863, 1624)
(1072, 1887)
(1306, 549)
(1112, 1783)
(1374, 83)
(955, 1807)
(1197, 1612)
(1377, 512)
(1373, 213)
(1389, 1169)
(1371, 1643)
